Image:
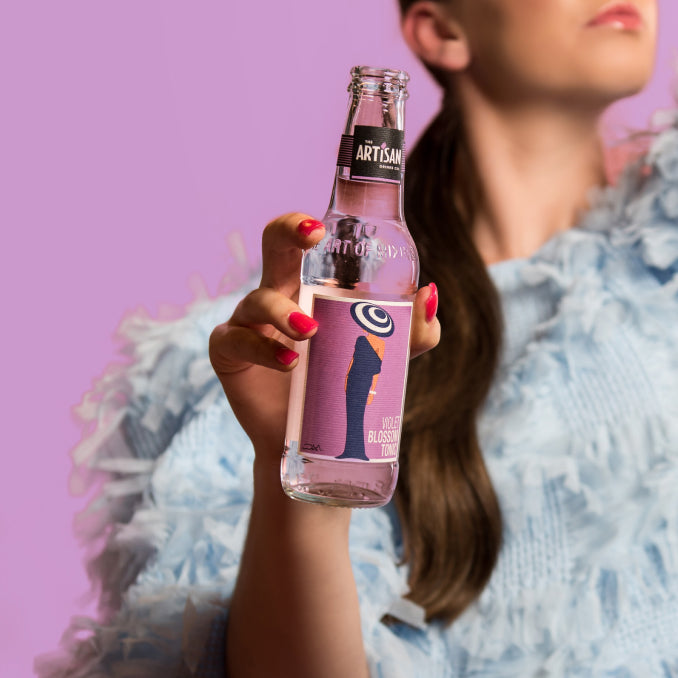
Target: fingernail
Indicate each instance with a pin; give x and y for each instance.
(432, 303)
(286, 356)
(302, 323)
(307, 226)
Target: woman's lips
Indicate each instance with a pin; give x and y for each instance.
(618, 15)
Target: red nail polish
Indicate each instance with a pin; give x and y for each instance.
(286, 356)
(307, 226)
(432, 303)
(302, 323)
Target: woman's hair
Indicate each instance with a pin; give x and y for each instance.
(450, 514)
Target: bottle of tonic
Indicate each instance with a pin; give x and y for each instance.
(347, 392)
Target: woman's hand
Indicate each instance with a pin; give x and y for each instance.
(252, 352)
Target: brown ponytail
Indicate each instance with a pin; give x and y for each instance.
(449, 511)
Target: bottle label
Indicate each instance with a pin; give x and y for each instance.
(373, 153)
(355, 379)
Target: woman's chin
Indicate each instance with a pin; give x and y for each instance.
(605, 87)
(612, 91)
(618, 74)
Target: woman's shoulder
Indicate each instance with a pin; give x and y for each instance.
(162, 378)
(172, 469)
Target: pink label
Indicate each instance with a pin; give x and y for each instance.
(355, 383)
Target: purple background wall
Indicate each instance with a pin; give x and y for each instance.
(135, 137)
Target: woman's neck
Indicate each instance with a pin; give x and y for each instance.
(535, 168)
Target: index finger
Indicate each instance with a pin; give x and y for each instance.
(282, 246)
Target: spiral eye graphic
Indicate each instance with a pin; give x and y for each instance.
(373, 318)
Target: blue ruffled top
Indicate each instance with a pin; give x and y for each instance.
(579, 433)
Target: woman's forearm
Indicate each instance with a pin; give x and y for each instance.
(295, 608)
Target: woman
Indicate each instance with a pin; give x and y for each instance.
(559, 558)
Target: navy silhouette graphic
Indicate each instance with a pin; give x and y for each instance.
(362, 375)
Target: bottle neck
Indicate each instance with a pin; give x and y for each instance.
(367, 198)
(370, 167)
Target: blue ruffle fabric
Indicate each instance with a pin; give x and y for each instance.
(580, 435)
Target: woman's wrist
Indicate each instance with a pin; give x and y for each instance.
(270, 497)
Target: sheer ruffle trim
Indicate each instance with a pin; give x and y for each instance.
(150, 529)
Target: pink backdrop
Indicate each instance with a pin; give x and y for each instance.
(135, 137)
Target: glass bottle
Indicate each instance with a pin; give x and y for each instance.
(347, 391)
